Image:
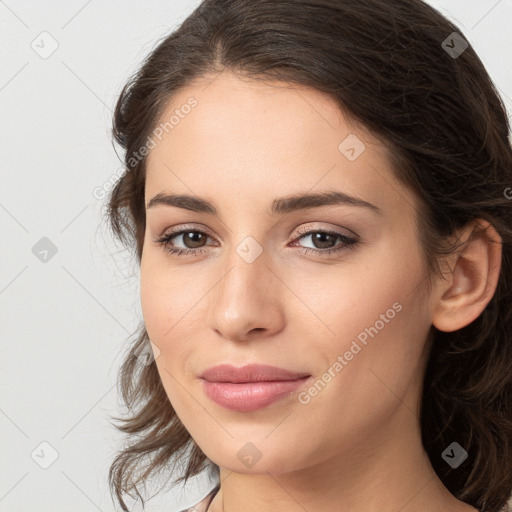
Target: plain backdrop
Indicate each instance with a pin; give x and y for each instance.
(69, 297)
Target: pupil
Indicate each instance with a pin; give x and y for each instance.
(191, 235)
(317, 237)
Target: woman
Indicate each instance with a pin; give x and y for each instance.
(316, 191)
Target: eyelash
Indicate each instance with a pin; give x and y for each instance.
(348, 242)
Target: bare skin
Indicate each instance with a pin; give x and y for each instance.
(355, 445)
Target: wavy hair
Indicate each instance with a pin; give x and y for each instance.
(395, 67)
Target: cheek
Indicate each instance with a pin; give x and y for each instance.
(162, 307)
(379, 364)
(376, 304)
(381, 325)
(374, 287)
(172, 310)
(155, 301)
(161, 297)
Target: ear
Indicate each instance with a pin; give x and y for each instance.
(472, 278)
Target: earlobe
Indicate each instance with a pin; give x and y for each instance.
(473, 277)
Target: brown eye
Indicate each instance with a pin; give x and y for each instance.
(192, 239)
(324, 241)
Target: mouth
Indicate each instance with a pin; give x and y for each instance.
(250, 373)
(251, 387)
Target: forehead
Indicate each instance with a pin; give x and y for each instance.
(232, 137)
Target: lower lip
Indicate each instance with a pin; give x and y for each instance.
(250, 396)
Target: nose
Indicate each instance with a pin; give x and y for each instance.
(246, 300)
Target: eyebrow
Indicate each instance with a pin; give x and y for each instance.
(281, 205)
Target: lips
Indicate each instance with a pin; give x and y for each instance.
(250, 373)
(250, 387)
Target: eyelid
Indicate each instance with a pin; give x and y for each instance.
(187, 227)
(302, 230)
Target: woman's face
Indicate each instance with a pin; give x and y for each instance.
(259, 286)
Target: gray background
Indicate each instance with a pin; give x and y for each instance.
(65, 321)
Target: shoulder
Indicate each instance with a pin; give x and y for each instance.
(201, 506)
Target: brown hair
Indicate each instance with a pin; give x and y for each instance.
(394, 67)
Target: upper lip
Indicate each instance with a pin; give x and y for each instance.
(249, 373)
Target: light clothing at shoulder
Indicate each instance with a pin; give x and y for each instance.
(202, 506)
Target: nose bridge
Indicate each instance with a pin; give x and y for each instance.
(246, 268)
(243, 299)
